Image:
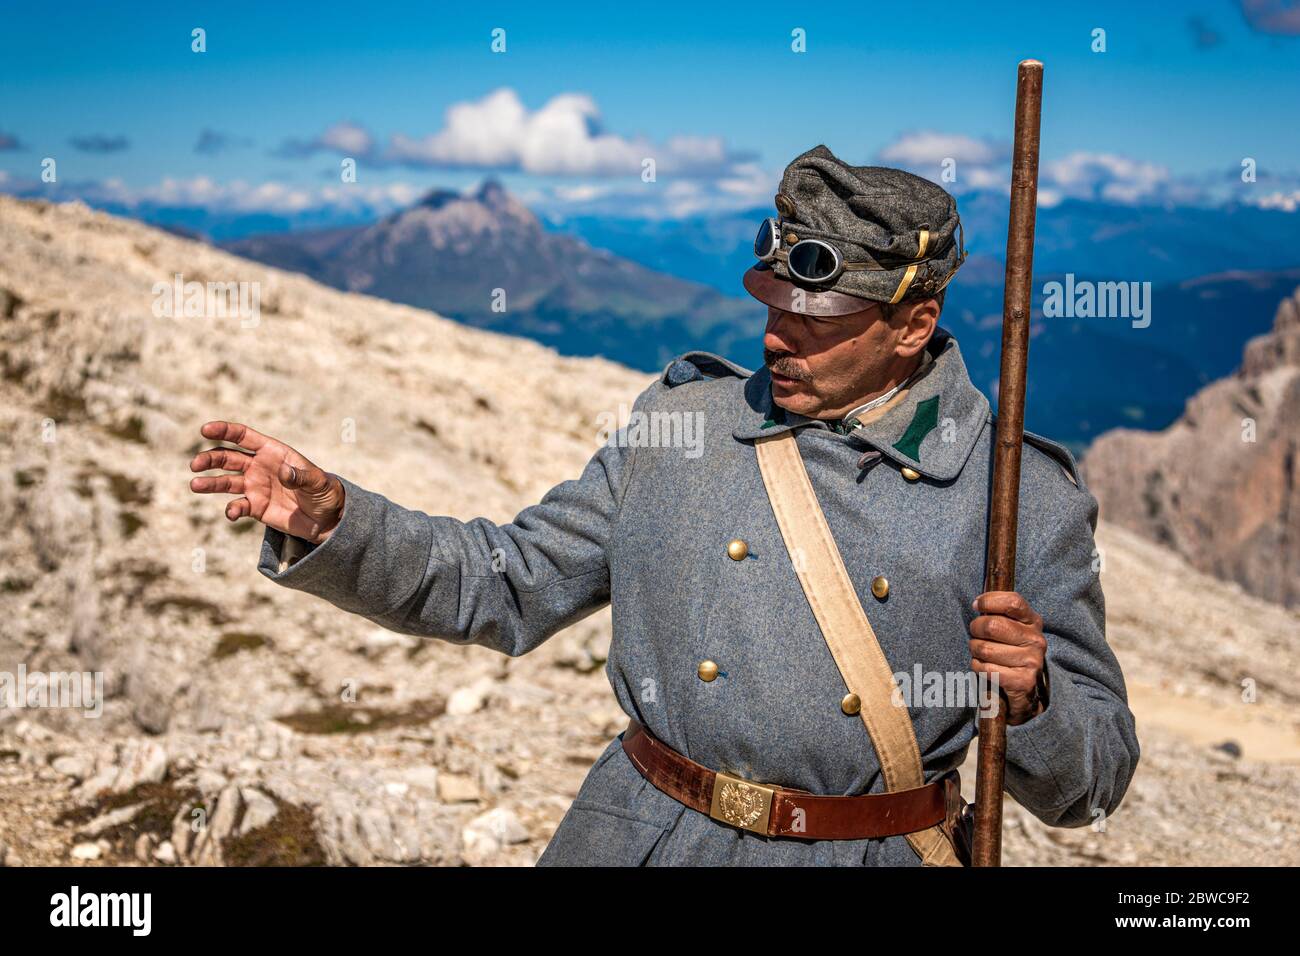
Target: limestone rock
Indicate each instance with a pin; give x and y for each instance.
(259, 810)
(457, 788)
(488, 833)
(76, 767)
(1220, 485)
(165, 853)
(469, 699)
(111, 819)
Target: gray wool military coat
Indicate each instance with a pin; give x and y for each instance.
(646, 528)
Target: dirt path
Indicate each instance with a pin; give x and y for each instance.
(1263, 733)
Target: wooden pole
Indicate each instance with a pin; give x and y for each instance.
(1000, 567)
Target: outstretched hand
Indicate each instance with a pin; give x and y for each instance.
(274, 484)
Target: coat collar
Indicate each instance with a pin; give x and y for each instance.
(932, 430)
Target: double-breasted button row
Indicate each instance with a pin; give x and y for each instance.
(738, 550)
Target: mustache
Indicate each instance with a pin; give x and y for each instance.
(783, 363)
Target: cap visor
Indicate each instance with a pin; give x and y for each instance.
(767, 287)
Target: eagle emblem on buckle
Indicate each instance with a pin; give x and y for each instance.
(740, 803)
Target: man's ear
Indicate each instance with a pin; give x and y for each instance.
(919, 320)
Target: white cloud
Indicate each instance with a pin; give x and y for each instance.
(565, 137)
(201, 192)
(985, 165)
(750, 184)
(585, 192)
(981, 177)
(1287, 202)
(930, 148)
(976, 163)
(1107, 176)
(348, 138)
(1049, 197)
(672, 199)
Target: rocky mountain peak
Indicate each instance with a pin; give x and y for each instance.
(1279, 348)
(437, 198)
(1220, 485)
(492, 193)
(446, 217)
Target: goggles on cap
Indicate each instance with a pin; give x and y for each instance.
(819, 261)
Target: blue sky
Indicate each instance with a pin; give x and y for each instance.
(114, 93)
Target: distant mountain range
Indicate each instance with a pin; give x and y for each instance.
(1088, 375)
(1156, 244)
(640, 292)
(485, 259)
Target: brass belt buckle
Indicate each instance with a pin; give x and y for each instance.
(740, 803)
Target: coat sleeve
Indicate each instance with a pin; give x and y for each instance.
(508, 587)
(1072, 764)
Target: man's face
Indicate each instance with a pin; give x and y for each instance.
(826, 367)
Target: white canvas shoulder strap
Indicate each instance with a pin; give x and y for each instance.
(845, 627)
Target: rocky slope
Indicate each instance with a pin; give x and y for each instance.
(247, 724)
(1220, 485)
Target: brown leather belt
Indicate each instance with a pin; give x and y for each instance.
(779, 811)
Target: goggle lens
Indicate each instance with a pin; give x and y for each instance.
(813, 261)
(765, 243)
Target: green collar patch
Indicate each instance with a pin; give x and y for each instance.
(924, 421)
(775, 417)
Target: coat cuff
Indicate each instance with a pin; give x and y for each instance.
(1047, 751)
(341, 568)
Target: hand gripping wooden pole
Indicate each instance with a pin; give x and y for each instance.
(1000, 567)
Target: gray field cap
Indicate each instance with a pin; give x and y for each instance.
(902, 229)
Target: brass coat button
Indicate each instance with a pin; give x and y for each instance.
(707, 671)
(851, 704)
(791, 238)
(737, 550)
(880, 587)
(911, 474)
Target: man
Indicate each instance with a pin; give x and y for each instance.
(744, 747)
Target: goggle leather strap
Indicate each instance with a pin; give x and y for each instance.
(923, 242)
(784, 256)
